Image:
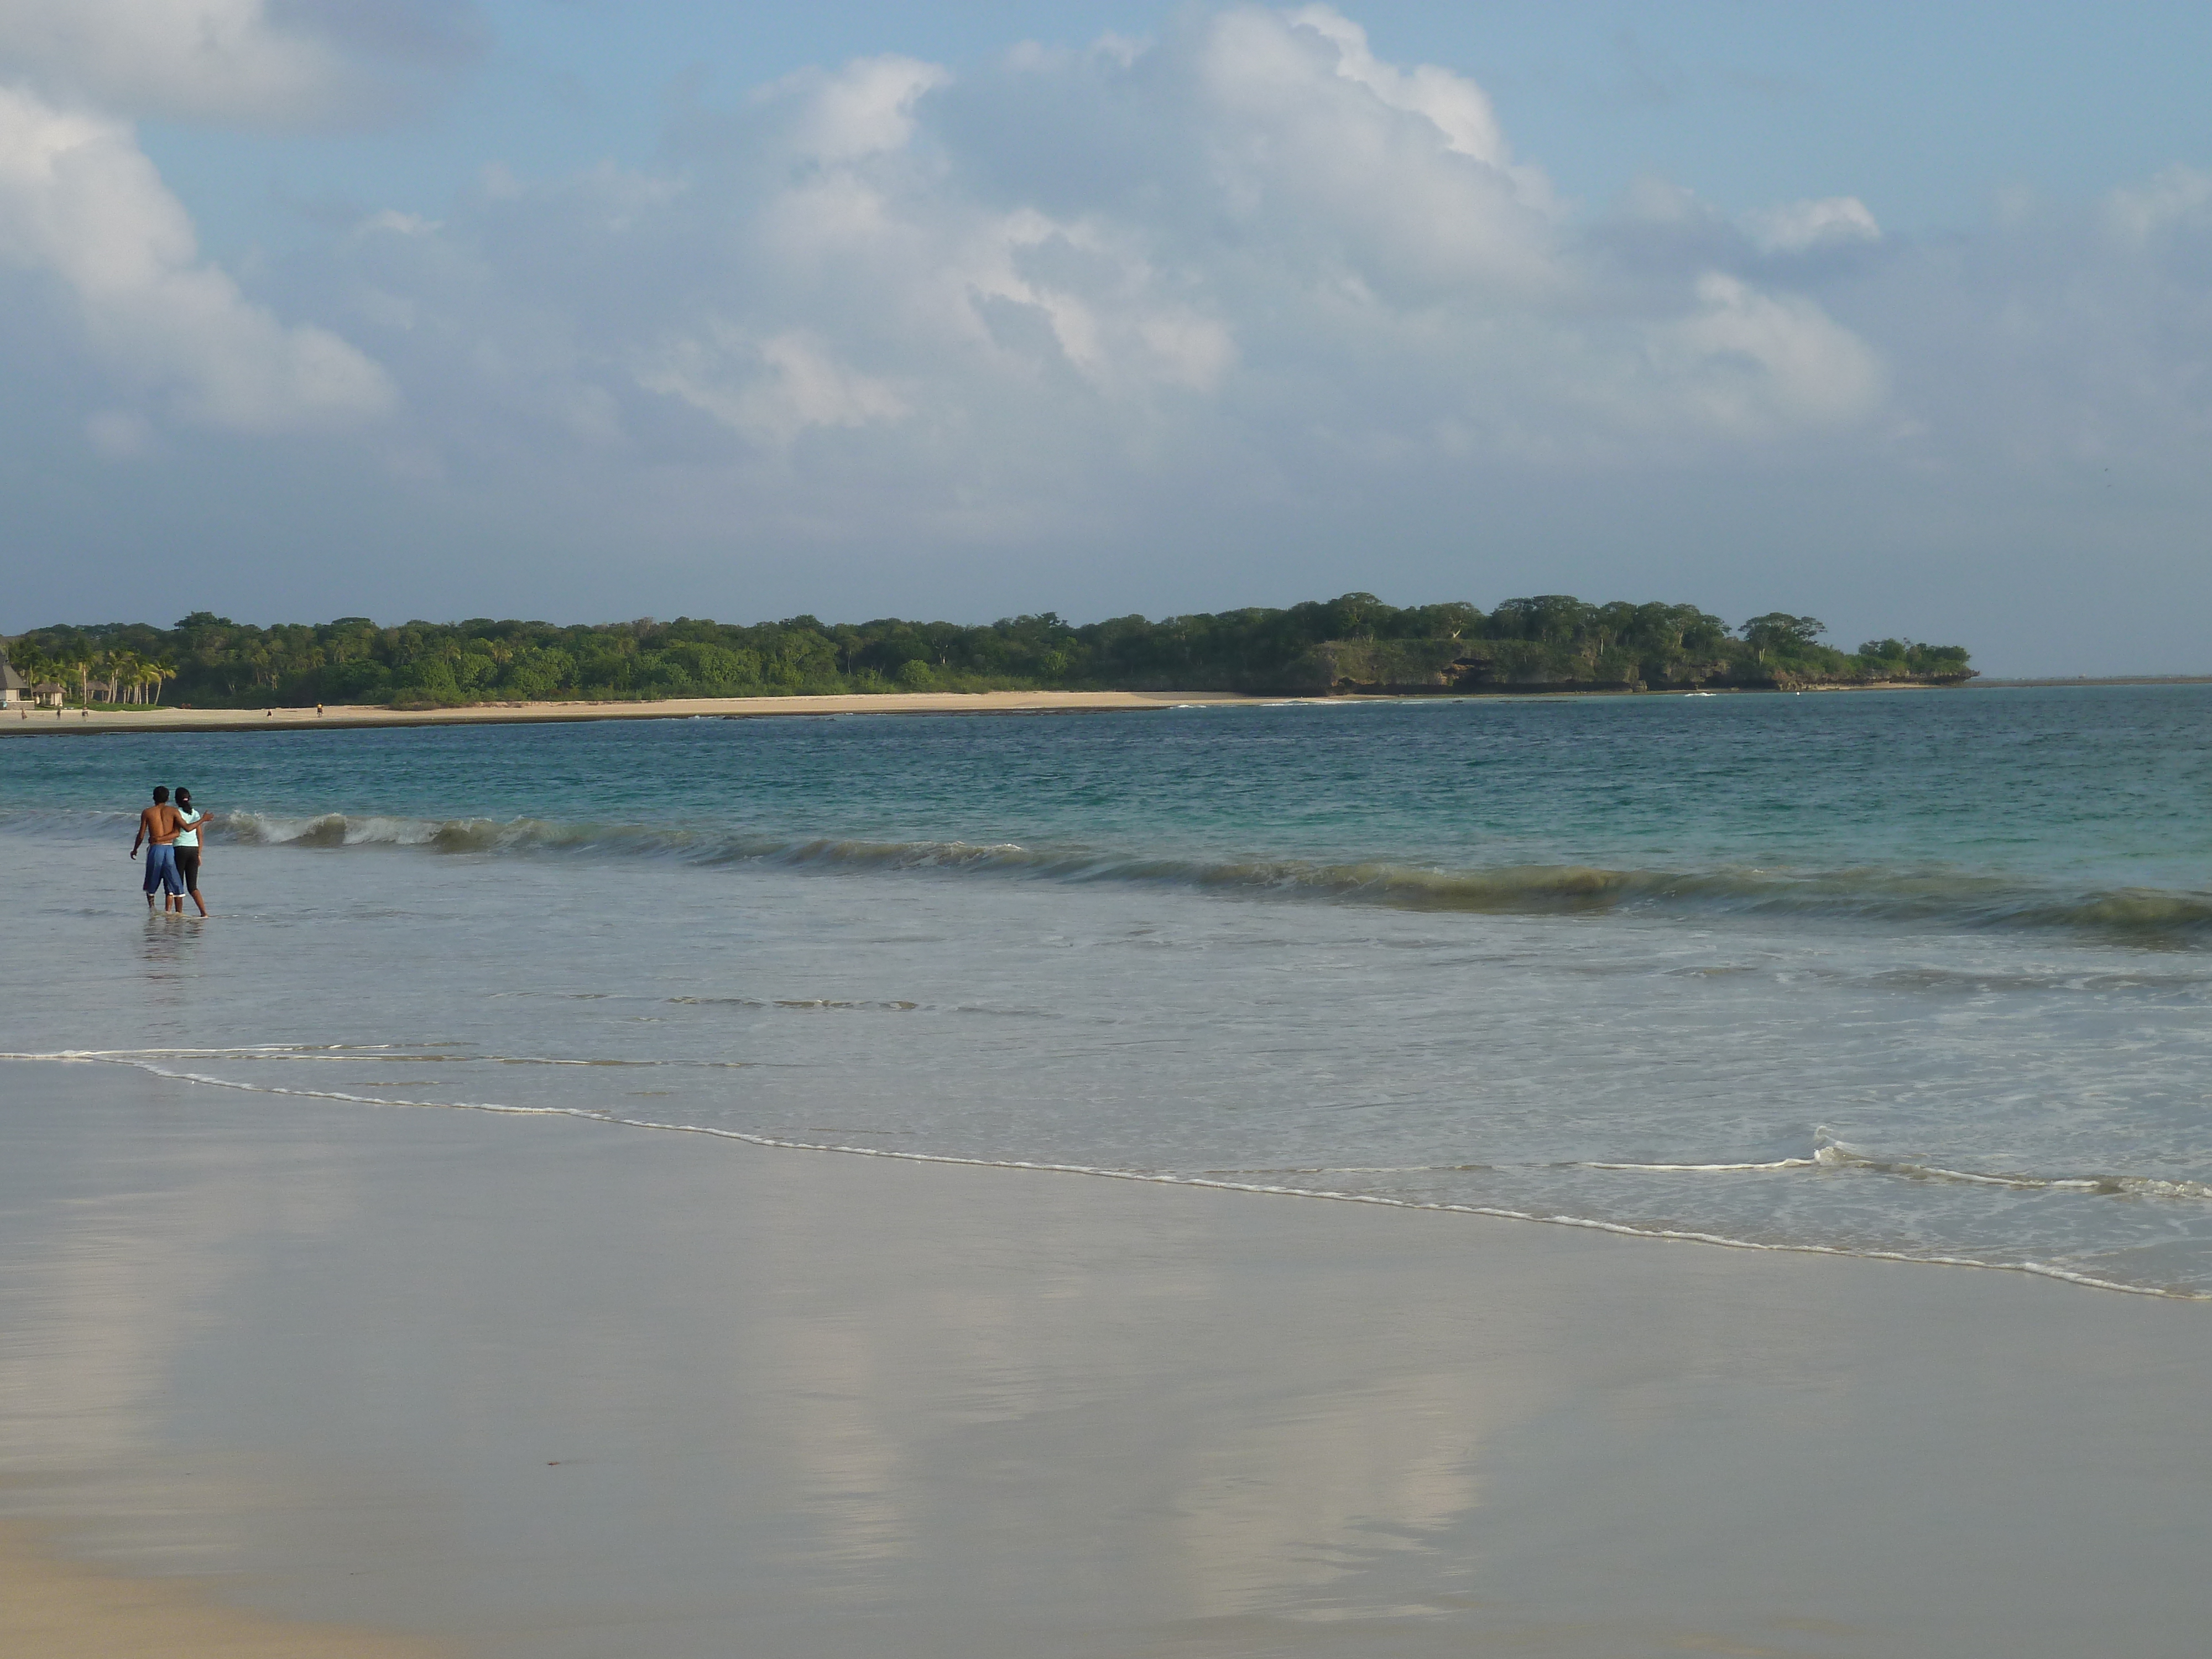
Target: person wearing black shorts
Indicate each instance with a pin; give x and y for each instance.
(188, 848)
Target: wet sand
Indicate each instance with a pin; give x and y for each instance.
(34, 722)
(55, 1608)
(559, 1388)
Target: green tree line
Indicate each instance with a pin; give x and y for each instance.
(1352, 643)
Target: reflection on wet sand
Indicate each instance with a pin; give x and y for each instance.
(1282, 1516)
(59, 1609)
(564, 1389)
(165, 949)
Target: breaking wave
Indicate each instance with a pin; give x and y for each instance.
(2146, 916)
(1830, 1153)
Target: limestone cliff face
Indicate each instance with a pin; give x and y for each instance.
(1397, 666)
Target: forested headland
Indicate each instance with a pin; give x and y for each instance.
(1353, 644)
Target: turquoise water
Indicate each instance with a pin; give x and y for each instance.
(1921, 973)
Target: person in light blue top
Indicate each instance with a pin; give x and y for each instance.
(189, 819)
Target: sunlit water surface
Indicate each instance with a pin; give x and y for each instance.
(1923, 974)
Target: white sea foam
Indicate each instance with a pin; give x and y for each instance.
(142, 1061)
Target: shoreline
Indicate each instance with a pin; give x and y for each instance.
(495, 1385)
(343, 716)
(101, 720)
(2029, 682)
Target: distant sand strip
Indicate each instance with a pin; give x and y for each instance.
(31, 722)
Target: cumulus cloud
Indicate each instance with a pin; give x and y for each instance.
(1401, 175)
(1305, 238)
(80, 202)
(1252, 236)
(1798, 226)
(255, 61)
(1243, 287)
(865, 111)
(772, 390)
(1308, 217)
(1459, 109)
(1750, 363)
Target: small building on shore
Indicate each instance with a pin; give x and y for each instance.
(15, 690)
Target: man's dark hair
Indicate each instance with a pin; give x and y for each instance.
(160, 793)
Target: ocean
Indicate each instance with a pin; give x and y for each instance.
(1922, 974)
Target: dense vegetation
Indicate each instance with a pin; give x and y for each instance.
(1349, 644)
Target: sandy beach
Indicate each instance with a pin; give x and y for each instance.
(56, 1608)
(21, 722)
(362, 1380)
(31, 722)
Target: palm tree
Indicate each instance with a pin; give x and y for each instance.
(152, 675)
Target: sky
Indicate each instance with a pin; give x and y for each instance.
(1897, 315)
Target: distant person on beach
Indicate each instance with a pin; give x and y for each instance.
(189, 819)
(158, 825)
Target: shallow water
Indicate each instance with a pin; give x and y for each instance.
(1920, 974)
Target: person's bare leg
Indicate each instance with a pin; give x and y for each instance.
(196, 899)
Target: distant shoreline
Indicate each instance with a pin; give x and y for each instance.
(358, 715)
(2096, 679)
(100, 720)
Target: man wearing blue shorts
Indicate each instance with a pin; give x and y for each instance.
(157, 827)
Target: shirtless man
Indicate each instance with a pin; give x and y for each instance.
(157, 827)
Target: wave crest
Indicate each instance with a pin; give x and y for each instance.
(2137, 916)
(1832, 1154)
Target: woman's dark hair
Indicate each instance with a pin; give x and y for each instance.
(184, 794)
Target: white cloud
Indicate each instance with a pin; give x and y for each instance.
(1799, 226)
(1013, 292)
(1458, 108)
(1755, 364)
(1203, 300)
(2179, 196)
(80, 201)
(1309, 140)
(391, 221)
(864, 109)
(256, 62)
(771, 389)
(1252, 231)
(1098, 297)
